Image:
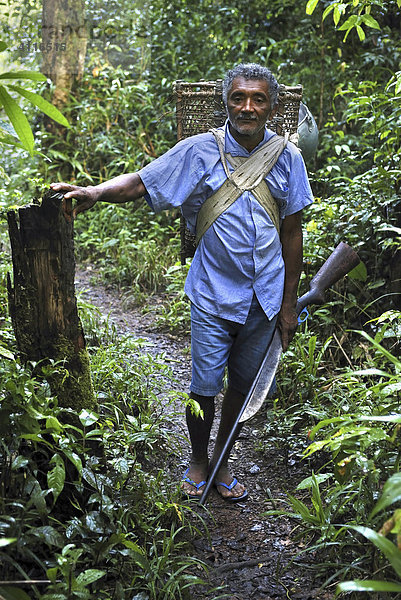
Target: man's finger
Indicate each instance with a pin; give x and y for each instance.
(81, 206)
(60, 185)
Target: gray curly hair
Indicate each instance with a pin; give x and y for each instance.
(251, 71)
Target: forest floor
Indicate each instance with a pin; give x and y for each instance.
(254, 557)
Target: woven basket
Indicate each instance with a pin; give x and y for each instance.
(199, 107)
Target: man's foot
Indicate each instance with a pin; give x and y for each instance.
(194, 480)
(229, 488)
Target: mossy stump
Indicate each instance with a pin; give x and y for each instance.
(42, 302)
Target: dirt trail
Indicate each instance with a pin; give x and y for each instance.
(254, 556)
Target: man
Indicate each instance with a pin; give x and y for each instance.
(244, 276)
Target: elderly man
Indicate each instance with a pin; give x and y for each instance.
(244, 276)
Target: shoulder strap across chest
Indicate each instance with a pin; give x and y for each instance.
(249, 175)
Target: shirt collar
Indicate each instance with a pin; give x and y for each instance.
(232, 147)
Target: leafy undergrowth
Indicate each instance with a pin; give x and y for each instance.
(85, 508)
(346, 424)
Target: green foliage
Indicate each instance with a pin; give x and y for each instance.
(123, 516)
(360, 18)
(357, 438)
(20, 129)
(75, 501)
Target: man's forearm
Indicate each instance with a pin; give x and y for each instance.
(120, 189)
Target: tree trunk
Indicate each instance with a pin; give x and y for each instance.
(42, 301)
(64, 38)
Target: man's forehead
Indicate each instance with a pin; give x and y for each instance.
(249, 85)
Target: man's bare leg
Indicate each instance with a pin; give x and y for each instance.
(199, 434)
(232, 403)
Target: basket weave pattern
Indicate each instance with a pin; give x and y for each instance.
(199, 107)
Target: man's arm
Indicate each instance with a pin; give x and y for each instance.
(291, 241)
(123, 188)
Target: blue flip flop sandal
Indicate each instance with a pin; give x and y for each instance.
(197, 486)
(232, 485)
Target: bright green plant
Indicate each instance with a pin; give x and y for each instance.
(391, 494)
(361, 18)
(21, 130)
(73, 494)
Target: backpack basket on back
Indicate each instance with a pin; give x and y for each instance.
(200, 107)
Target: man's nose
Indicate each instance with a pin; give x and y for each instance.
(247, 105)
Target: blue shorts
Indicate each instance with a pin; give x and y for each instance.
(217, 342)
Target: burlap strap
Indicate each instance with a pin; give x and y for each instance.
(249, 176)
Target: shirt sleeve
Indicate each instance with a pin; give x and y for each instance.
(170, 179)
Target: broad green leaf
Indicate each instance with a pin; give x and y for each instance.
(53, 423)
(368, 585)
(89, 576)
(34, 437)
(90, 477)
(370, 21)
(13, 593)
(345, 419)
(87, 418)
(349, 23)
(391, 493)
(367, 373)
(132, 545)
(18, 119)
(50, 535)
(380, 418)
(360, 32)
(3, 46)
(390, 551)
(43, 105)
(359, 273)
(310, 6)
(7, 541)
(19, 462)
(5, 353)
(309, 481)
(33, 75)
(336, 16)
(392, 228)
(56, 477)
(327, 11)
(52, 574)
(74, 458)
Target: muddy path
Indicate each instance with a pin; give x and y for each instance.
(254, 556)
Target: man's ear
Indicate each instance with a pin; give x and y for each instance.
(273, 112)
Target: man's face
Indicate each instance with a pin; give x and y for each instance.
(248, 106)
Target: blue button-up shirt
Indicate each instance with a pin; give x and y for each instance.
(240, 254)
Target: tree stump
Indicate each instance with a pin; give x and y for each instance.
(42, 300)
